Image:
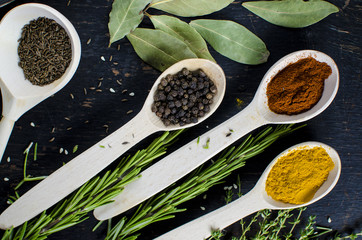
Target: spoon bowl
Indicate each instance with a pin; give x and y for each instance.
(256, 200)
(326, 187)
(18, 94)
(329, 92)
(212, 70)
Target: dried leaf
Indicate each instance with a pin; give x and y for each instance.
(190, 8)
(125, 16)
(232, 40)
(159, 49)
(184, 32)
(292, 13)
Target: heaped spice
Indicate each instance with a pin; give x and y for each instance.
(44, 50)
(298, 87)
(297, 176)
(184, 97)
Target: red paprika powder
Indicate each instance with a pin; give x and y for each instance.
(297, 87)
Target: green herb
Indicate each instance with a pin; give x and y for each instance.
(232, 40)
(35, 151)
(190, 8)
(101, 146)
(158, 48)
(206, 146)
(292, 13)
(75, 148)
(184, 32)
(28, 178)
(198, 140)
(45, 51)
(125, 16)
(96, 192)
(164, 205)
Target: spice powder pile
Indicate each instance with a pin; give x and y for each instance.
(297, 87)
(297, 176)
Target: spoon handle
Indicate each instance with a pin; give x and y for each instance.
(202, 227)
(6, 126)
(179, 163)
(76, 172)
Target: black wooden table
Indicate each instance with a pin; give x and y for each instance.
(75, 117)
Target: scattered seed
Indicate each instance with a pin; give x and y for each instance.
(235, 186)
(202, 208)
(110, 58)
(118, 47)
(85, 91)
(32, 124)
(61, 150)
(131, 94)
(69, 128)
(92, 88)
(8, 202)
(100, 79)
(52, 139)
(112, 90)
(8, 159)
(86, 121)
(329, 220)
(129, 112)
(72, 96)
(6, 179)
(68, 3)
(124, 90)
(89, 41)
(119, 82)
(204, 197)
(99, 90)
(124, 143)
(115, 63)
(66, 152)
(103, 59)
(53, 130)
(124, 100)
(99, 84)
(67, 118)
(228, 134)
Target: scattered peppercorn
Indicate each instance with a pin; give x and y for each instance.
(184, 97)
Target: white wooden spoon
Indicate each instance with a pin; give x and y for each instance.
(18, 94)
(82, 168)
(257, 199)
(190, 156)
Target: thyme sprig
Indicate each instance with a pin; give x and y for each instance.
(96, 192)
(165, 205)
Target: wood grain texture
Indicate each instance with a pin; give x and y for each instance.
(86, 111)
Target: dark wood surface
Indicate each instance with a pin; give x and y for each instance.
(87, 118)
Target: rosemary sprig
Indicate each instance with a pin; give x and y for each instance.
(96, 192)
(164, 205)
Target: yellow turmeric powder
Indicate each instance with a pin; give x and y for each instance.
(297, 176)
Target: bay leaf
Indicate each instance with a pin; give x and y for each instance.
(190, 8)
(184, 32)
(124, 17)
(158, 48)
(292, 13)
(232, 40)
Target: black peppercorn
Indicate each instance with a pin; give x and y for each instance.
(184, 97)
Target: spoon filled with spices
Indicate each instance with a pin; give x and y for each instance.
(39, 54)
(297, 88)
(299, 176)
(184, 95)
